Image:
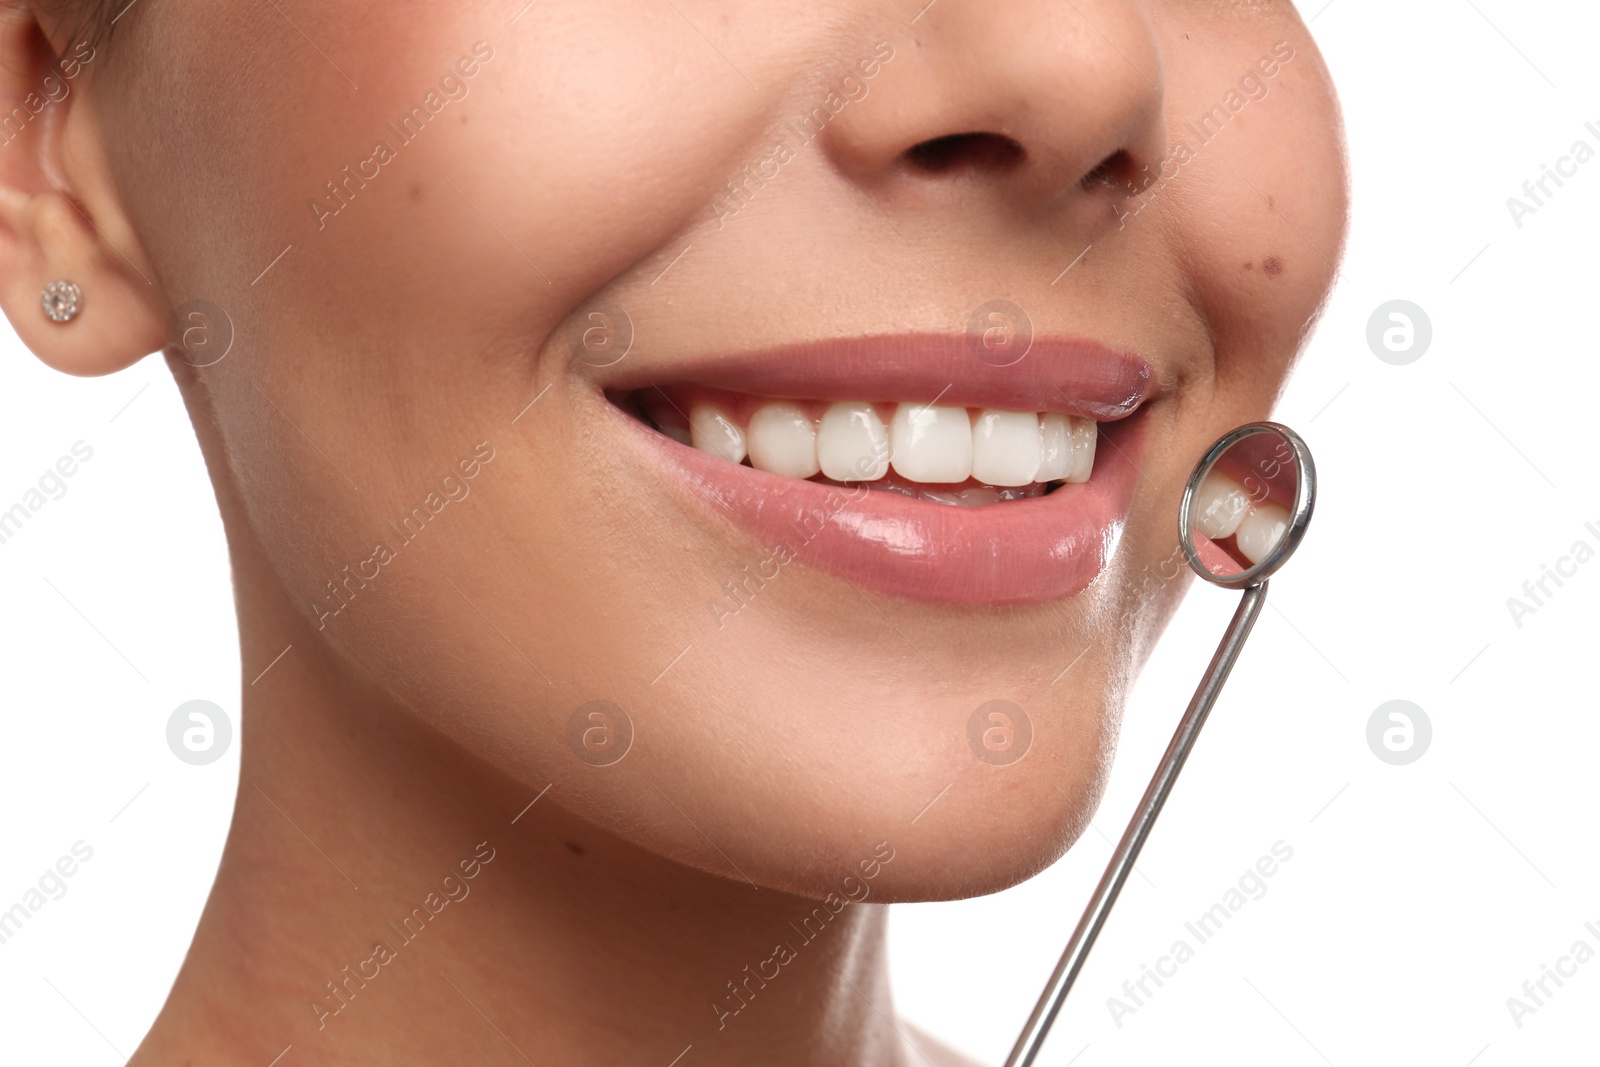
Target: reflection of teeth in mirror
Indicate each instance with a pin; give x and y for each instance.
(1220, 505)
(1256, 489)
(1260, 531)
(1224, 508)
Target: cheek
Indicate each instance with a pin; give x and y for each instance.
(590, 132)
(1261, 200)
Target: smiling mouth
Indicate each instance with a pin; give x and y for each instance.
(906, 463)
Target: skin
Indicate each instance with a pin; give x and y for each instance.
(391, 339)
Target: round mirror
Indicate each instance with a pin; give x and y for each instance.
(1247, 504)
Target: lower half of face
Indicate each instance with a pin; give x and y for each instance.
(767, 426)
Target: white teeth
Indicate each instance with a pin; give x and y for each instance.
(931, 444)
(1222, 508)
(1220, 504)
(1009, 452)
(1260, 530)
(783, 441)
(1055, 447)
(852, 443)
(1005, 447)
(975, 497)
(1084, 435)
(971, 497)
(712, 431)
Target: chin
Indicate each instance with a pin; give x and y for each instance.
(992, 844)
(990, 828)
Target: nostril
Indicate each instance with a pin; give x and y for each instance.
(979, 151)
(1114, 170)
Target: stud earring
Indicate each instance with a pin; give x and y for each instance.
(61, 301)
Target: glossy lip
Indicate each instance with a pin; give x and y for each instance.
(1015, 552)
(1073, 375)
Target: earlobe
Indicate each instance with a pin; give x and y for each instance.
(56, 208)
(46, 238)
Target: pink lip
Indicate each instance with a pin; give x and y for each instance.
(1022, 551)
(1073, 375)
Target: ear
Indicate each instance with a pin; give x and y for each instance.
(60, 217)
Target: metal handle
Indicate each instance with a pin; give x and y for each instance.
(1033, 1034)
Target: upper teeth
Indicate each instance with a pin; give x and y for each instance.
(1223, 508)
(921, 442)
(852, 442)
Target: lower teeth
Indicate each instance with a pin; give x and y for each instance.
(971, 496)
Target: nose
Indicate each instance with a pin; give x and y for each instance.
(1030, 98)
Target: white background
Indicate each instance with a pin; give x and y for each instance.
(1419, 897)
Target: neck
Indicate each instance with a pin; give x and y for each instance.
(387, 897)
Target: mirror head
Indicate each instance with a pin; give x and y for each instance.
(1247, 504)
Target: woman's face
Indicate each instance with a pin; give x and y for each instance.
(468, 249)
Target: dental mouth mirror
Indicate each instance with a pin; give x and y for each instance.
(1244, 511)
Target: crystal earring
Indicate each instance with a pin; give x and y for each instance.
(61, 301)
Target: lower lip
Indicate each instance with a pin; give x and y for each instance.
(1013, 552)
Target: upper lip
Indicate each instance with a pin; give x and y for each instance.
(1068, 374)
